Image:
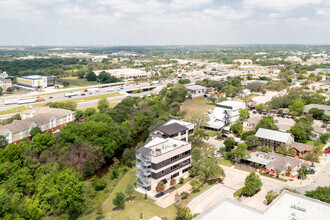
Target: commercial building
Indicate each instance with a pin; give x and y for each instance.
(34, 81)
(176, 129)
(228, 111)
(162, 159)
(5, 83)
(196, 90)
(273, 138)
(47, 119)
(4, 75)
(301, 148)
(287, 205)
(126, 74)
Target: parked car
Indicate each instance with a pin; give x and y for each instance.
(50, 97)
(222, 137)
(254, 112)
(283, 116)
(287, 116)
(278, 115)
(294, 117)
(327, 150)
(311, 170)
(83, 94)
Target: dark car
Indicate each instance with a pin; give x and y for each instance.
(50, 97)
(287, 116)
(83, 94)
(283, 116)
(222, 137)
(254, 112)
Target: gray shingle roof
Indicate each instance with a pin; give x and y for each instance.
(172, 128)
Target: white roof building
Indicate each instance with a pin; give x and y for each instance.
(286, 206)
(127, 74)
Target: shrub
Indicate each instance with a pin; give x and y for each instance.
(181, 180)
(184, 195)
(173, 182)
(100, 184)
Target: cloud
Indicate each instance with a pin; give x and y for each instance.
(181, 4)
(284, 5)
(227, 12)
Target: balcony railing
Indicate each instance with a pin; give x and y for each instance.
(145, 162)
(144, 172)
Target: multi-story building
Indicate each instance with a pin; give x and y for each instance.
(176, 129)
(35, 81)
(196, 90)
(47, 119)
(243, 61)
(162, 159)
(126, 74)
(228, 111)
(273, 138)
(5, 83)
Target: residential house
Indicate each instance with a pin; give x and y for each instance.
(196, 90)
(301, 148)
(5, 83)
(251, 123)
(162, 159)
(47, 119)
(273, 138)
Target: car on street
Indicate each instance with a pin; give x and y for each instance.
(222, 137)
(282, 116)
(327, 150)
(278, 115)
(50, 97)
(83, 94)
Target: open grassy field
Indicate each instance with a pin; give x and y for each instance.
(225, 162)
(75, 82)
(133, 209)
(196, 106)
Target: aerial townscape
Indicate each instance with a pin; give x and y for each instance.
(109, 111)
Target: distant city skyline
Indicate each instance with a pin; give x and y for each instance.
(163, 22)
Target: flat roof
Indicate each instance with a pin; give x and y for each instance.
(326, 108)
(195, 87)
(286, 206)
(32, 77)
(172, 128)
(230, 103)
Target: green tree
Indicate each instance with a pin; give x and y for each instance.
(324, 137)
(243, 114)
(195, 184)
(129, 191)
(267, 122)
(184, 213)
(100, 184)
(270, 196)
(237, 128)
(78, 114)
(42, 142)
(9, 90)
(302, 172)
(314, 155)
(213, 99)
(34, 131)
(1, 90)
(229, 144)
(297, 107)
(260, 107)
(3, 141)
(206, 169)
(282, 149)
(252, 141)
(321, 193)
(240, 152)
(316, 113)
(119, 200)
(252, 184)
(89, 111)
(103, 105)
(91, 76)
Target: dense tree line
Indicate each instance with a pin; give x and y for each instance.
(44, 176)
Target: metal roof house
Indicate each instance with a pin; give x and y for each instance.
(273, 138)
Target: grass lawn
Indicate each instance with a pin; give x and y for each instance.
(96, 97)
(212, 133)
(196, 106)
(238, 193)
(134, 208)
(310, 142)
(19, 109)
(75, 82)
(226, 162)
(202, 189)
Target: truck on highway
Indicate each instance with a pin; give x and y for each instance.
(92, 90)
(70, 94)
(26, 101)
(10, 101)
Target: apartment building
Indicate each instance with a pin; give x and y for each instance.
(162, 159)
(176, 129)
(228, 111)
(47, 119)
(273, 138)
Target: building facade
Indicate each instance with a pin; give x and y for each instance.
(179, 130)
(273, 138)
(5, 84)
(228, 111)
(196, 90)
(47, 119)
(35, 81)
(162, 159)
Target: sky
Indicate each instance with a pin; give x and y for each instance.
(163, 22)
